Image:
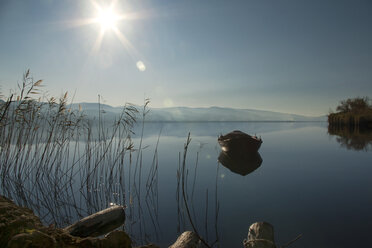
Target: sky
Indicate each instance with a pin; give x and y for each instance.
(291, 56)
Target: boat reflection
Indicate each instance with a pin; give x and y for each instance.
(241, 163)
(352, 138)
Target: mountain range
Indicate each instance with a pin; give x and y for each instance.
(183, 114)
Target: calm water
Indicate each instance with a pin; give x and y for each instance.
(307, 184)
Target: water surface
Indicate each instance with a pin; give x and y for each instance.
(307, 183)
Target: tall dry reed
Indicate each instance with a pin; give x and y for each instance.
(64, 165)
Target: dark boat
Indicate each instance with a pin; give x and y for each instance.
(239, 141)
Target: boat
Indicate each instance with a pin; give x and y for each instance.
(238, 141)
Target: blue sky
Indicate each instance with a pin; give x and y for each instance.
(291, 56)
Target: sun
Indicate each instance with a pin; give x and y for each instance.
(107, 18)
(112, 19)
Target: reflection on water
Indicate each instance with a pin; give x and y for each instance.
(352, 138)
(242, 164)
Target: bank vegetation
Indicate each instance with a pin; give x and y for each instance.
(353, 113)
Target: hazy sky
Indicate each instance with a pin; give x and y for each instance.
(291, 56)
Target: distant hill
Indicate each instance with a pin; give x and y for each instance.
(182, 114)
(223, 114)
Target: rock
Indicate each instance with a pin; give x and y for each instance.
(15, 220)
(34, 239)
(99, 223)
(117, 239)
(19, 227)
(260, 235)
(148, 246)
(188, 239)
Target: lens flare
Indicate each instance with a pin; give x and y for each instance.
(141, 66)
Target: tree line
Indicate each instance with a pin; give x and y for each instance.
(354, 105)
(352, 113)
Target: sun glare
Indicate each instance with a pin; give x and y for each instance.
(107, 18)
(110, 17)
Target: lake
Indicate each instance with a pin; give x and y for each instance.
(308, 183)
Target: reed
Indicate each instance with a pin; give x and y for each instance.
(63, 165)
(187, 215)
